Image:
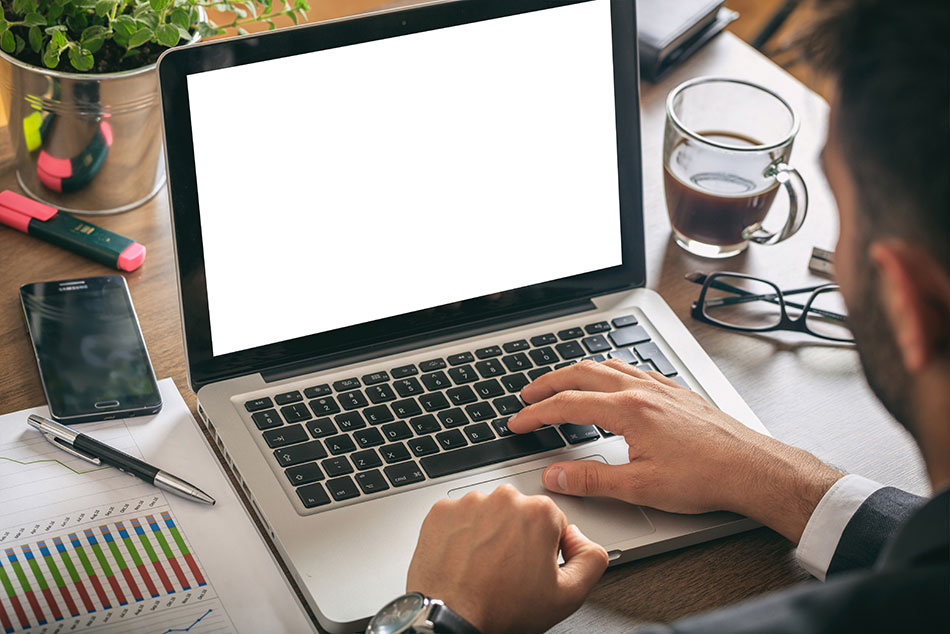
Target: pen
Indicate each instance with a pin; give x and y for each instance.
(91, 450)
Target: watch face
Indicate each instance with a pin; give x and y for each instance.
(397, 614)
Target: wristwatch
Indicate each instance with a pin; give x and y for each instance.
(415, 613)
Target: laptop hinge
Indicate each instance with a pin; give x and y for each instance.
(471, 329)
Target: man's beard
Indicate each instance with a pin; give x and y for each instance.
(880, 355)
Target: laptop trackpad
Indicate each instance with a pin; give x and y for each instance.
(604, 520)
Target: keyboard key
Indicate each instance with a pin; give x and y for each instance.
(258, 404)
(295, 413)
(461, 395)
(295, 454)
(380, 393)
(570, 350)
(375, 377)
(564, 365)
(313, 495)
(543, 356)
(288, 397)
(433, 402)
(406, 408)
(403, 371)
(488, 453)
(595, 344)
(346, 384)
(651, 352)
(516, 362)
(593, 329)
(407, 387)
(371, 481)
(432, 364)
(368, 459)
(479, 432)
(337, 466)
(514, 382)
(570, 333)
(304, 474)
(604, 432)
(452, 439)
(576, 434)
(285, 436)
(645, 367)
(535, 373)
(378, 414)
(463, 374)
(453, 418)
(679, 379)
(507, 405)
(342, 488)
(595, 357)
(352, 400)
(486, 353)
(368, 437)
(628, 336)
(623, 321)
(349, 421)
(543, 340)
(317, 391)
(340, 444)
(403, 474)
(624, 354)
(395, 452)
(500, 425)
(425, 424)
(435, 381)
(516, 346)
(396, 431)
(324, 405)
(462, 357)
(321, 427)
(423, 446)
(490, 368)
(267, 419)
(480, 411)
(489, 389)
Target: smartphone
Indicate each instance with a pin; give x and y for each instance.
(89, 348)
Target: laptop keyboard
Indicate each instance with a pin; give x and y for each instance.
(391, 428)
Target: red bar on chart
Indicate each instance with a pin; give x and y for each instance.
(41, 582)
(104, 564)
(167, 551)
(58, 578)
(183, 548)
(5, 620)
(14, 601)
(120, 560)
(27, 588)
(140, 532)
(137, 559)
(90, 572)
(73, 574)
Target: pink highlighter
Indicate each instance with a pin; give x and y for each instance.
(59, 228)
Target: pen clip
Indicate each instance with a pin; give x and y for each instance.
(72, 450)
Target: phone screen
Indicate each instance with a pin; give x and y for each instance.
(91, 354)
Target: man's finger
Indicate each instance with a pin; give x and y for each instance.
(587, 376)
(582, 408)
(584, 563)
(584, 478)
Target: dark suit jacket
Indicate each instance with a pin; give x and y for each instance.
(890, 573)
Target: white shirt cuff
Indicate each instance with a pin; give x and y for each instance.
(827, 523)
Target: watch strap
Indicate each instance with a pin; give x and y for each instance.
(446, 621)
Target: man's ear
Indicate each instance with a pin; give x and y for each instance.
(916, 293)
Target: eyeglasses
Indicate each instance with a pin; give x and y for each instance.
(749, 304)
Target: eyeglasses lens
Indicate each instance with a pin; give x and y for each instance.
(742, 302)
(826, 315)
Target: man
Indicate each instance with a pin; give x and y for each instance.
(493, 559)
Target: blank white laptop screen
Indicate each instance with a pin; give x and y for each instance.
(362, 182)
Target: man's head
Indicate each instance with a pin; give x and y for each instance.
(888, 161)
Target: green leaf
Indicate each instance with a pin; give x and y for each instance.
(241, 30)
(96, 30)
(55, 28)
(103, 7)
(157, 5)
(181, 18)
(140, 37)
(251, 8)
(183, 33)
(167, 35)
(34, 19)
(51, 56)
(270, 25)
(80, 58)
(21, 7)
(131, 53)
(53, 14)
(206, 30)
(7, 41)
(20, 44)
(4, 25)
(293, 16)
(59, 39)
(148, 20)
(77, 23)
(36, 39)
(93, 44)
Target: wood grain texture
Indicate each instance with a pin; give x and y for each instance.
(812, 395)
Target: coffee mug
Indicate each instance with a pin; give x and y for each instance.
(725, 154)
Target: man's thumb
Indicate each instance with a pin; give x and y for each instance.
(581, 477)
(584, 563)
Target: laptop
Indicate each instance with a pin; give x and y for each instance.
(385, 227)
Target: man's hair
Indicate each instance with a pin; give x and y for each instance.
(891, 63)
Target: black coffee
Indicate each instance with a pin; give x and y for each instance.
(712, 203)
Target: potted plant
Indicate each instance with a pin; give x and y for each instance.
(78, 82)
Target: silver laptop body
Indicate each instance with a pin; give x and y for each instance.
(397, 223)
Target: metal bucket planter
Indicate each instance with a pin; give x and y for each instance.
(88, 143)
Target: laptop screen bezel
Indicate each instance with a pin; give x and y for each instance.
(173, 70)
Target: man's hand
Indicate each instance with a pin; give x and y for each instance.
(493, 560)
(686, 456)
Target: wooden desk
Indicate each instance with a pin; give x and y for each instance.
(809, 394)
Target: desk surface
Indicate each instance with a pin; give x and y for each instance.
(811, 395)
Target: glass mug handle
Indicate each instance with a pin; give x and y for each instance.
(797, 206)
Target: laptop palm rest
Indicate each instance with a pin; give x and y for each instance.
(603, 520)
